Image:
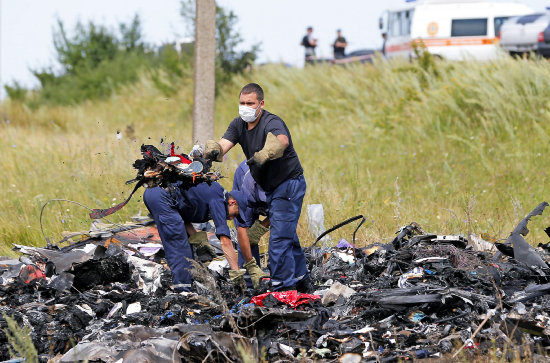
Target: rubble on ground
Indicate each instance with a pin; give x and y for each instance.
(109, 299)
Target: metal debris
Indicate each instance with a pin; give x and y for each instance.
(422, 295)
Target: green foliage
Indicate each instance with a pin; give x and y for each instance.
(16, 91)
(229, 60)
(131, 35)
(88, 48)
(20, 340)
(468, 148)
(424, 59)
(88, 82)
(95, 61)
(170, 68)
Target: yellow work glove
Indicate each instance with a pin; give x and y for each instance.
(213, 151)
(255, 272)
(256, 232)
(237, 278)
(273, 149)
(200, 241)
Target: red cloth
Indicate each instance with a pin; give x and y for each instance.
(292, 298)
(29, 273)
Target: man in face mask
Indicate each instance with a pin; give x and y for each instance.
(274, 165)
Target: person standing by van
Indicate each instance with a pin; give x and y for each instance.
(339, 45)
(309, 43)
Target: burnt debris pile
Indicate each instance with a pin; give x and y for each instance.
(420, 296)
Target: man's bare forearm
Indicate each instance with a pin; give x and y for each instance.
(229, 252)
(244, 243)
(226, 145)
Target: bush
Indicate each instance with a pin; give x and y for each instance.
(96, 61)
(229, 61)
(16, 92)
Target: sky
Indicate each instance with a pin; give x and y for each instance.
(26, 26)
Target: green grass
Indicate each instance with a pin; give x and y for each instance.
(462, 148)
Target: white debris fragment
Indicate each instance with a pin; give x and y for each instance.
(335, 291)
(133, 308)
(218, 266)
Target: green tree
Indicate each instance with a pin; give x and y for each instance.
(131, 35)
(91, 45)
(96, 60)
(16, 91)
(229, 61)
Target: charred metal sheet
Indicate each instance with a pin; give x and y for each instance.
(428, 297)
(523, 252)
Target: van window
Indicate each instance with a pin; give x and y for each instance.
(468, 27)
(410, 19)
(528, 19)
(399, 23)
(406, 19)
(395, 24)
(498, 23)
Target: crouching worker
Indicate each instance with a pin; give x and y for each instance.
(174, 208)
(252, 230)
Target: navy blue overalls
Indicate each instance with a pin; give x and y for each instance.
(287, 261)
(243, 182)
(171, 208)
(284, 185)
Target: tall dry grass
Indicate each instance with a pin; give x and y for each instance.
(462, 147)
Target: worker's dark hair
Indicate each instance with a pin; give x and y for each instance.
(253, 88)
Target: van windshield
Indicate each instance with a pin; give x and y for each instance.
(528, 19)
(468, 27)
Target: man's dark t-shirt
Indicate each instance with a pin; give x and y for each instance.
(273, 172)
(309, 47)
(339, 52)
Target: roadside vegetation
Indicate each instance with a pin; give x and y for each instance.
(457, 147)
(95, 61)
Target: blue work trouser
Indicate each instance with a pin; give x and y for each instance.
(287, 261)
(166, 207)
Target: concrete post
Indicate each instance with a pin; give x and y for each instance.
(205, 63)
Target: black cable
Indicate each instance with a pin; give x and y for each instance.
(347, 221)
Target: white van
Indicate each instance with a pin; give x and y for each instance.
(458, 29)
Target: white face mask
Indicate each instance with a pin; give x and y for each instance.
(248, 114)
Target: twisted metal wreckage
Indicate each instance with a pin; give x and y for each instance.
(108, 297)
